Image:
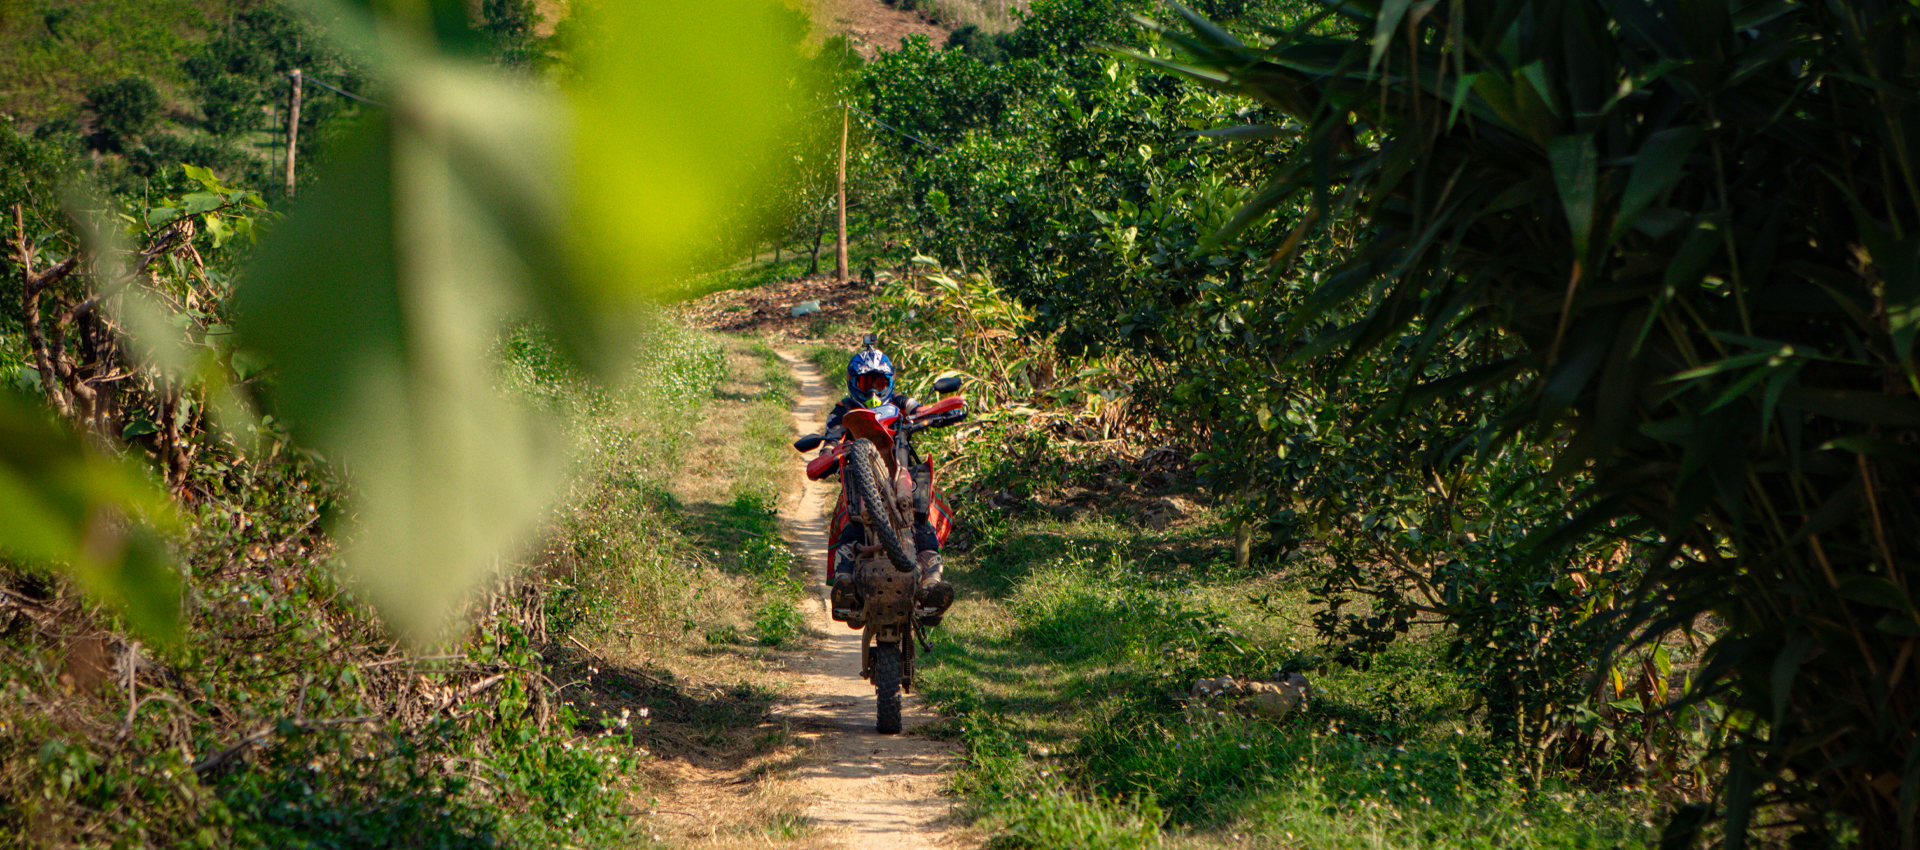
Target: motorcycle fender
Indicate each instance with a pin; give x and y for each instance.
(862, 425)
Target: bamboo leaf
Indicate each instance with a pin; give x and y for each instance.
(1742, 779)
(1660, 163)
(1875, 591)
(1576, 166)
(1786, 666)
(1757, 14)
(1206, 28)
(1385, 25)
(1861, 406)
(1898, 624)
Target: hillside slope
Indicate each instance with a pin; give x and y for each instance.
(52, 52)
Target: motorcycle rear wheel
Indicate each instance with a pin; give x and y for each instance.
(887, 672)
(868, 477)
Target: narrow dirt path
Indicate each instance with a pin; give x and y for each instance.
(869, 791)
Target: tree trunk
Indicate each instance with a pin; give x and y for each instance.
(819, 235)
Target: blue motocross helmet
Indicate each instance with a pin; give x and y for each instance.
(870, 377)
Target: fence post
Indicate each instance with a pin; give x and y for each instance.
(293, 131)
(840, 244)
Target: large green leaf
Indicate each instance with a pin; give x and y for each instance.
(65, 503)
(478, 199)
(678, 118)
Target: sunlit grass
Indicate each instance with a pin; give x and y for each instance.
(1068, 664)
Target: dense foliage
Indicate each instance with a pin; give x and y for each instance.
(1090, 196)
(1693, 220)
(1426, 283)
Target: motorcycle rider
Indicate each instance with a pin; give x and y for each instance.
(869, 385)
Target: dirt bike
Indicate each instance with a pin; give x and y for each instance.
(877, 491)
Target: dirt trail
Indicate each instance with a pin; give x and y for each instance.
(872, 791)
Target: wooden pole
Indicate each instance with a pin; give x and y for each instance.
(293, 131)
(840, 239)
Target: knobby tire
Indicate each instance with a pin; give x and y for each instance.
(887, 668)
(867, 473)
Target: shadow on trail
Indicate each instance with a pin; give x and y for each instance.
(742, 537)
(1005, 557)
(713, 727)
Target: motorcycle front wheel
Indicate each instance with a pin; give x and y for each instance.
(868, 477)
(887, 671)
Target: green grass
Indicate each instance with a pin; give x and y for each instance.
(1067, 663)
(749, 275)
(832, 363)
(736, 526)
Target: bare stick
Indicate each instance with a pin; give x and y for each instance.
(132, 654)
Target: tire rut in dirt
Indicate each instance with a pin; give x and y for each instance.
(886, 687)
(864, 467)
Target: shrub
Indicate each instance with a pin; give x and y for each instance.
(124, 110)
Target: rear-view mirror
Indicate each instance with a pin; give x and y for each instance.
(950, 383)
(808, 443)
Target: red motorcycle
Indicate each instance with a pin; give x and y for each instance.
(877, 491)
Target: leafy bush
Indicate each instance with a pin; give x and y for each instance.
(778, 622)
(124, 110)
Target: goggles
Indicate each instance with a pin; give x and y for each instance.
(871, 382)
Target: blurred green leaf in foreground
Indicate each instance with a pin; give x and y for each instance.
(63, 501)
(481, 198)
